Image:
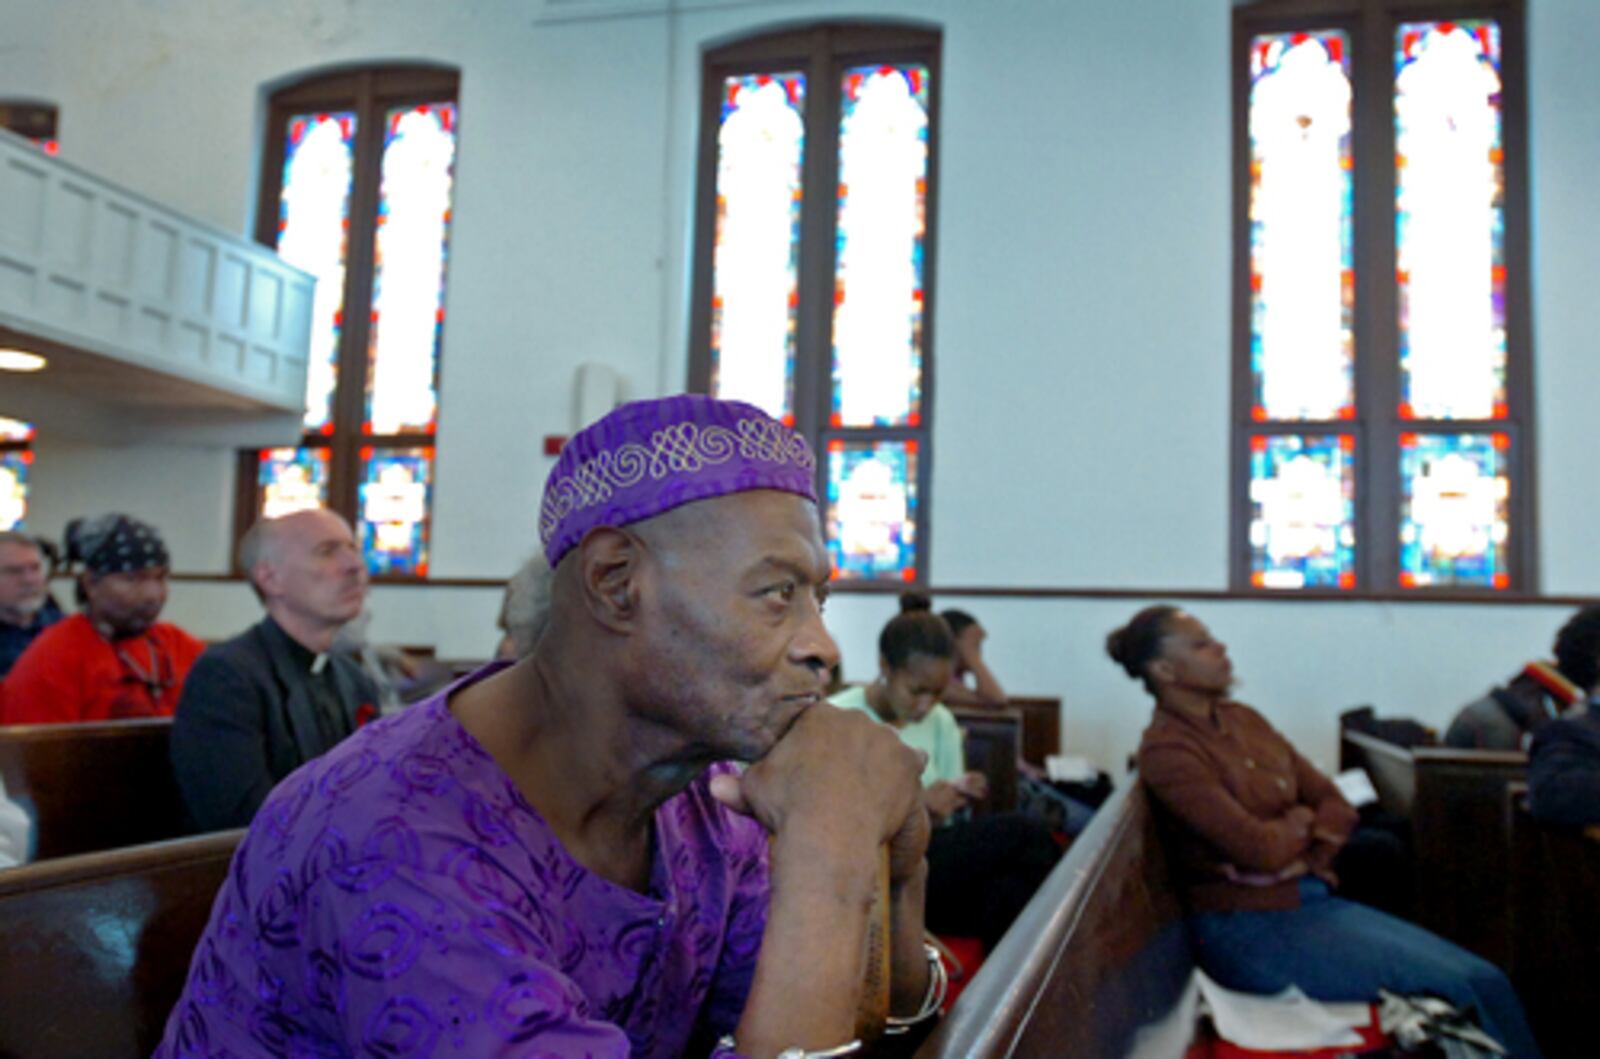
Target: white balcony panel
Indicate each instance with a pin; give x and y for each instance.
(154, 323)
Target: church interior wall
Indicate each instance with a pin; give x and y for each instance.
(1081, 320)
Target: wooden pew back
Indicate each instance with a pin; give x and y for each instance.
(993, 739)
(1555, 929)
(1100, 951)
(97, 947)
(1041, 727)
(1461, 842)
(93, 786)
(1455, 800)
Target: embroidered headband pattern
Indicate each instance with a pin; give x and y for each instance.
(651, 456)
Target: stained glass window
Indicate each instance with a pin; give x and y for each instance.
(1405, 334)
(872, 509)
(814, 252)
(15, 430)
(878, 291)
(1302, 503)
(362, 166)
(1455, 521)
(408, 274)
(757, 240)
(1302, 280)
(292, 480)
(1450, 222)
(313, 234)
(395, 488)
(14, 487)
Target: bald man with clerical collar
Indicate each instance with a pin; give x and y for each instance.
(114, 659)
(264, 703)
(557, 856)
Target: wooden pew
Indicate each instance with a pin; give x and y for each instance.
(1100, 951)
(1455, 800)
(1461, 843)
(93, 786)
(97, 946)
(993, 741)
(1555, 928)
(1041, 727)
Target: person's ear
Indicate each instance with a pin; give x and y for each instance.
(1161, 670)
(265, 577)
(609, 564)
(883, 669)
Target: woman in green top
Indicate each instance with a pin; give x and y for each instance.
(981, 870)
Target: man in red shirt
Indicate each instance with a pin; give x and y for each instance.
(113, 659)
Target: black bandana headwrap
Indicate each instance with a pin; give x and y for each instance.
(115, 544)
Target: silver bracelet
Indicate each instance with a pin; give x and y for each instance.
(932, 1001)
(849, 1048)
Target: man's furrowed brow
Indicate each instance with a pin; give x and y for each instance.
(779, 564)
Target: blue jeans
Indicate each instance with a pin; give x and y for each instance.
(1337, 950)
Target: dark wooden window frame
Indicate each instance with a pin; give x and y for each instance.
(822, 52)
(38, 122)
(1377, 426)
(370, 92)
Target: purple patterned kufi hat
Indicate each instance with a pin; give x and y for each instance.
(648, 457)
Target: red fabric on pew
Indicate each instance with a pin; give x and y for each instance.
(969, 953)
(1208, 1046)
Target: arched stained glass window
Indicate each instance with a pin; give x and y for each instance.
(1450, 221)
(313, 234)
(408, 272)
(812, 267)
(756, 256)
(359, 183)
(1302, 342)
(883, 181)
(1381, 274)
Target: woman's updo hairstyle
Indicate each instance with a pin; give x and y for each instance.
(916, 630)
(1138, 643)
(957, 620)
(913, 601)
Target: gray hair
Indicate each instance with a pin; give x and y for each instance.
(18, 537)
(258, 545)
(525, 611)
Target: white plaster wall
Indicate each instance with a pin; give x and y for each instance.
(1081, 318)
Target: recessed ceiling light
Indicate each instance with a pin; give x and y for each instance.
(20, 360)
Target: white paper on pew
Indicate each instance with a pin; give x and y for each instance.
(1064, 768)
(1356, 786)
(16, 831)
(1289, 1021)
(1171, 1036)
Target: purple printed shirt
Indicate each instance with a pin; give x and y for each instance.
(399, 897)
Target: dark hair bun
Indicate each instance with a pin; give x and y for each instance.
(915, 601)
(1138, 643)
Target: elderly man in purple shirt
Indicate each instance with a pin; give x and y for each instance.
(552, 858)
